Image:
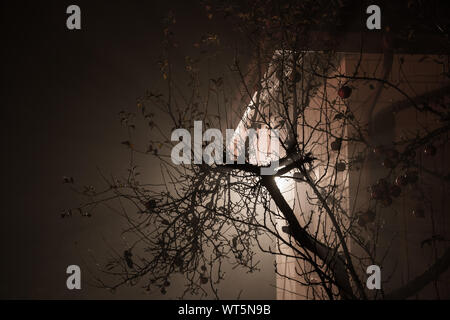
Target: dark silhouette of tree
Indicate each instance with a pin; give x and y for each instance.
(332, 153)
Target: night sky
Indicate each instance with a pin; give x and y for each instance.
(62, 91)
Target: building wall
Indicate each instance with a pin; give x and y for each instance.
(401, 252)
(399, 247)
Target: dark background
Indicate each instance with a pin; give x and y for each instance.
(62, 91)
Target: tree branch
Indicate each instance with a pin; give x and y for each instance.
(417, 284)
(326, 254)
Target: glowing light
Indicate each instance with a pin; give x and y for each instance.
(284, 183)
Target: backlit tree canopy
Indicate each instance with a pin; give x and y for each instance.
(350, 158)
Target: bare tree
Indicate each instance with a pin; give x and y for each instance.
(322, 207)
